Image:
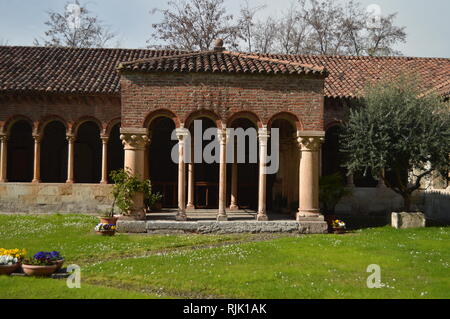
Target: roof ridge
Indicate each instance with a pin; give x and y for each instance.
(259, 57)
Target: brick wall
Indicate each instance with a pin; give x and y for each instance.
(223, 94)
(71, 109)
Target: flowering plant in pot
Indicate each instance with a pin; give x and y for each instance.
(41, 264)
(53, 256)
(10, 260)
(338, 226)
(105, 229)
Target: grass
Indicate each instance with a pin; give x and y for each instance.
(414, 263)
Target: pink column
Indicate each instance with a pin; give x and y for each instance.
(104, 160)
(309, 143)
(263, 136)
(37, 159)
(182, 134)
(134, 141)
(222, 215)
(3, 157)
(70, 156)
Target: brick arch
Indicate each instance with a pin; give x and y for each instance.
(14, 119)
(42, 123)
(153, 115)
(85, 119)
(111, 124)
(290, 117)
(247, 115)
(203, 113)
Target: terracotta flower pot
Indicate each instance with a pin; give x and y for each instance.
(34, 270)
(106, 232)
(108, 220)
(339, 230)
(59, 264)
(8, 269)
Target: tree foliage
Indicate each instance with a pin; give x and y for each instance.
(76, 28)
(401, 130)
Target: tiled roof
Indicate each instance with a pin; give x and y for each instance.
(222, 62)
(87, 71)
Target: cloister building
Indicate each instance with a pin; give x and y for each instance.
(68, 117)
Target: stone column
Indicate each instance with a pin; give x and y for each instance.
(70, 156)
(134, 141)
(191, 179)
(3, 158)
(182, 134)
(263, 136)
(222, 215)
(104, 160)
(309, 143)
(37, 159)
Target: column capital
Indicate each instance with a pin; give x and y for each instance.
(310, 140)
(70, 138)
(37, 138)
(134, 141)
(223, 135)
(104, 138)
(3, 137)
(263, 134)
(181, 133)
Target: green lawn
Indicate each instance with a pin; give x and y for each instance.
(414, 263)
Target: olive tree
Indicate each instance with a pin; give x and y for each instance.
(399, 133)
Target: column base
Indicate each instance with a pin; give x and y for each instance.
(69, 182)
(309, 216)
(36, 181)
(190, 206)
(234, 207)
(181, 217)
(104, 182)
(262, 217)
(222, 218)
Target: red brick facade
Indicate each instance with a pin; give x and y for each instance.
(299, 98)
(71, 110)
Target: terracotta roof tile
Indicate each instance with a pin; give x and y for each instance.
(88, 71)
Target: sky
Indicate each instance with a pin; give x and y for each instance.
(21, 21)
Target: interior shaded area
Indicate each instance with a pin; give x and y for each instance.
(206, 175)
(54, 153)
(88, 154)
(20, 152)
(115, 151)
(248, 172)
(282, 187)
(163, 171)
(332, 157)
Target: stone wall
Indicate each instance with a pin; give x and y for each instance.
(54, 198)
(435, 204)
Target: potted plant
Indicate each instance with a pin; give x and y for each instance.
(10, 260)
(105, 229)
(331, 191)
(338, 226)
(125, 187)
(152, 201)
(41, 264)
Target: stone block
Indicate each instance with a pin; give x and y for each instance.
(408, 220)
(131, 226)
